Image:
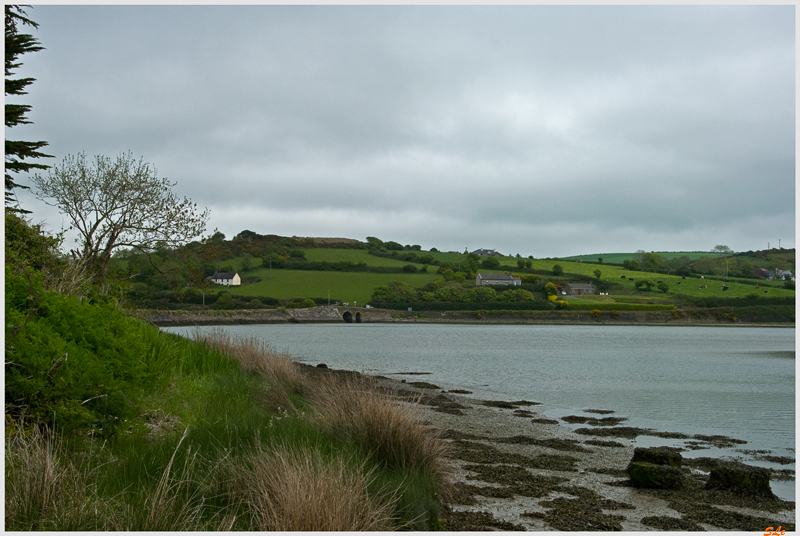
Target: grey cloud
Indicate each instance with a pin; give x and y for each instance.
(610, 123)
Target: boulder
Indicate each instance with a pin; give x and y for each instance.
(658, 456)
(740, 478)
(655, 476)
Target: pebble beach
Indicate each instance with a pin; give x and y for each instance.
(515, 469)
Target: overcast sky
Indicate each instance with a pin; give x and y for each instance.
(544, 131)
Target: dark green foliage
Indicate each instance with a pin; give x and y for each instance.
(491, 262)
(517, 295)
(68, 361)
(28, 246)
(17, 152)
(395, 291)
(224, 301)
(558, 269)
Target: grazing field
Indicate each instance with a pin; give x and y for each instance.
(348, 287)
(358, 286)
(618, 258)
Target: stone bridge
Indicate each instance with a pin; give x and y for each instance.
(354, 315)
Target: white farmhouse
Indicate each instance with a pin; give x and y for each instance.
(497, 279)
(226, 278)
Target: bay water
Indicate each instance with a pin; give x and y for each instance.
(735, 382)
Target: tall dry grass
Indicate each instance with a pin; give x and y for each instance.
(258, 356)
(392, 433)
(44, 490)
(287, 489)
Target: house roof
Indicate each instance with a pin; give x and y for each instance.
(222, 275)
(498, 276)
(584, 286)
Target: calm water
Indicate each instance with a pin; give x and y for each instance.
(737, 382)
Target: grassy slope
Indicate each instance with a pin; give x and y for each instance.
(358, 286)
(344, 286)
(620, 257)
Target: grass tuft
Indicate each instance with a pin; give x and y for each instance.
(287, 489)
(389, 432)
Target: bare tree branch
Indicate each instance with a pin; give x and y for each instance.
(116, 203)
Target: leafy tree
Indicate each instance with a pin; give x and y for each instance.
(551, 289)
(394, 291)
(653, 262)
(225, 301)
(521, 263)
(374, 243)
(273, 260)
(663, 287)
(517, 295)
(639, 283)
(18, 151)
(485, 294)
(597, 273)
(600, 260)
(491, 262)
(119, 203)
(557, 269)
(719, 248)
(528, 264)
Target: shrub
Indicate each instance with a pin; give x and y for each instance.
(69, 361)
(225, 301)
(557, 269)
(595, 313)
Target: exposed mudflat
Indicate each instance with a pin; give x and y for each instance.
(515, 469)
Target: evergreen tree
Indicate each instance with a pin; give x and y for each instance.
(17, 151)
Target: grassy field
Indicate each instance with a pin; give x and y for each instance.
(618, 258)
(351, 287)
(357, 287)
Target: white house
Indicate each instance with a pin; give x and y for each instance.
(497, 279)
(226, 278)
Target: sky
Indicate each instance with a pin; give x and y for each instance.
(535, 130)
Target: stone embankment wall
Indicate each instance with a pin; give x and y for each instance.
(262, 316)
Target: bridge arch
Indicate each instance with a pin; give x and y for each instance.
(350, 318)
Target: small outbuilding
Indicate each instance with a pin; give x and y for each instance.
(497, 279)
(225, 278)
(577, 289)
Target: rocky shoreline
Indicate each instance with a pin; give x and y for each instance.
(515, 469)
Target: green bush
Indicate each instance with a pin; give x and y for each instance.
(68, 361)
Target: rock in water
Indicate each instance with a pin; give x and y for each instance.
(656, 468)
(740, 478)
(654, 476)
(658, 456)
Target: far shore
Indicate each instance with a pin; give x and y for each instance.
(337, 314)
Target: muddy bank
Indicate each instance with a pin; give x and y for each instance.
(515, 469)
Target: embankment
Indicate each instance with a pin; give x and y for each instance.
(340, 314)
